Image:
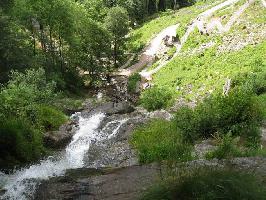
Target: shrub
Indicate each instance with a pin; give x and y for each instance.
(254, 82)
(49, 118)
(262, 102)
(159, 140)
(156, 98)
(24, 90)
(19, 142)
(209, 184)
(25, 97)
(237, 113)
(132, 82)
(171, 52)
(227, 149)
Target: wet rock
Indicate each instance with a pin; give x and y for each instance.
(2, 191)
(115, 151)
(111, 154)
(122, 108)
(59, 139)
(100, 184)
(56, 139)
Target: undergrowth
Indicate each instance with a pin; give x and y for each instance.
(209, 184)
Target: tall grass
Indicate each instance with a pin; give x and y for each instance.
(209, 184)
(159, 140)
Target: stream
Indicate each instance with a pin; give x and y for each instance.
(22, 183)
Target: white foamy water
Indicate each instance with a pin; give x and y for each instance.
(22, 184)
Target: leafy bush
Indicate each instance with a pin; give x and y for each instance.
(24, 114)
(49, 118)
(156, 98)
(68, 105)
(159, 140)
(254, 82)
(210, 184)
(19, 142)
(171, 52)
(132, 82)
(237, 113)
(227, 149)
(24, 90)
(262, 101)
(73, 81)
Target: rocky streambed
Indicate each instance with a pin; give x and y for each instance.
(100, 137)
(98, 163)
(111, 170)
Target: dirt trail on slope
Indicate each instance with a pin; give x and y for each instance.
(263, 3)
(150, 52)
(201, 23)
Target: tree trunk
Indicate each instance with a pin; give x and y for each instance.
(152, 8)
(161, 5)
(61, 56)
(115, 53)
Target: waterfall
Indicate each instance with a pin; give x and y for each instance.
(21, 185)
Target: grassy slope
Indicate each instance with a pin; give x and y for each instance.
(141, 36)
(198, 74)
(194, 75)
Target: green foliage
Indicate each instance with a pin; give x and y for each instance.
(14, 48)
(237, 113)
(262, 102)
(68, 104)
(256, 81)
(117, 23)
(171, 52)
(227, 149)
(24, 91)
(209, 184)
(19, 142)
(159, 140)
(156, 98)
(96, 9)
(50, 118)
(198, 75)
(142, 35)
(132, 82)
(24, 114)
(230, 147)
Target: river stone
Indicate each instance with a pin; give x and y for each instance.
(59, 139)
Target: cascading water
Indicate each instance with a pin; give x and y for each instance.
(22, 184)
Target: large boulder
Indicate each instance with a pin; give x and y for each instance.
(59, 139)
